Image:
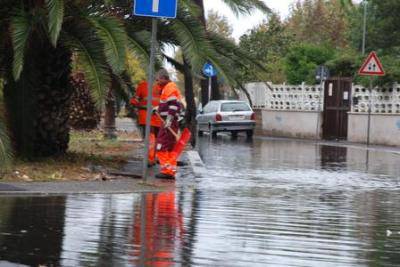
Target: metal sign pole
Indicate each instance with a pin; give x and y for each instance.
(369, 111)
(318, 131)
(364, 27)
(209, 88)
(150, 82)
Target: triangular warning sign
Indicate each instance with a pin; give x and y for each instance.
(372, 66)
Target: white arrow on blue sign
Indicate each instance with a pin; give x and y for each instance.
(155, 8)
(209, 70)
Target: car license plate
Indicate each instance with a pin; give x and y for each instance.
(236, 118)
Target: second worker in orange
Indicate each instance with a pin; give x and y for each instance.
(140, 102)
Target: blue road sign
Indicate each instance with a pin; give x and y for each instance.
(209, 70)
(155, 8)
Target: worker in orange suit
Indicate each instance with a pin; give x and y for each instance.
(169, 109)
(140, 102)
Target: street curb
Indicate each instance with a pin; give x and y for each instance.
(196, 163)
(125, 186)
(55, 193)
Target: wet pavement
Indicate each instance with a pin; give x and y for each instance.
(268, 202)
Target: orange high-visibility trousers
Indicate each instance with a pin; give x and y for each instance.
(152, 148)
(152, 144)
(168, 162)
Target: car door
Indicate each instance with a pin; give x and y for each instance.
(213, 112)
(209, 117)
(202, 119)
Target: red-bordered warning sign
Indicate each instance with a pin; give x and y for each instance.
(372, 66)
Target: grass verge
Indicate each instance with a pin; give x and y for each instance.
(88, 157)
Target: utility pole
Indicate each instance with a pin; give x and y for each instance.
(365, 3)
(149, 96)
(154, 9)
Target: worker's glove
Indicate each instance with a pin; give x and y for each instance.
(154, 110)
(182, 122)
(168, 121)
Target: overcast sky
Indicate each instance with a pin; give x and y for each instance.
(242, 24)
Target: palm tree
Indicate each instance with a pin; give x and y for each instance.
(38, 38)
(188, 32)
(5, 154)
(238, 7)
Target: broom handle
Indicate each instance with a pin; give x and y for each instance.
(169, 128)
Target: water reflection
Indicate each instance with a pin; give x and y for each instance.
(159, 231)
(333, 158)
(266, 203)
(31, 230)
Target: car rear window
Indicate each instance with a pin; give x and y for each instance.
(232, 107)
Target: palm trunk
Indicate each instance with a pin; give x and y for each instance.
(109, 116)
(191, 103)
(38, 104)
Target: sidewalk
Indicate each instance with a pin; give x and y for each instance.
(117, 185)
(128, 180)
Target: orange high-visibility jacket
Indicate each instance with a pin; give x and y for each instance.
(170, 100)
(140, 101)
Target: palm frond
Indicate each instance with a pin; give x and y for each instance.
(89, 51)
(191, 7)
(111, 32)
(192, 39)
(121, 88)
(56, 16)
(176, 64)
(20, 31)
(138, 43)
(247, 6)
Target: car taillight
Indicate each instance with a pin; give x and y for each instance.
(218, 117)
(253, 117)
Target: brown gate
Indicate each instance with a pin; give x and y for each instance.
(336, 106)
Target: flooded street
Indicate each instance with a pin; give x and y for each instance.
(269, 202)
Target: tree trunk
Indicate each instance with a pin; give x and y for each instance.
(110, 113)
(191, 103)
(38, 104)
(215, 93)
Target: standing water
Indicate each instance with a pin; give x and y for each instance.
(261, 203)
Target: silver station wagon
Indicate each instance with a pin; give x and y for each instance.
(226, 116)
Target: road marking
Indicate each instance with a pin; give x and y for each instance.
(156, 6)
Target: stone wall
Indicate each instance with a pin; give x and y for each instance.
(287, 110)
(285, 97)
(292, 123)
(295, 111)
(385, 115)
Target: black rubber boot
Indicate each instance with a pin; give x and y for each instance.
(181, 163)
(165, 176)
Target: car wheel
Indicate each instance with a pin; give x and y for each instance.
(249, 133)
(213, 133)
(200, 133)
